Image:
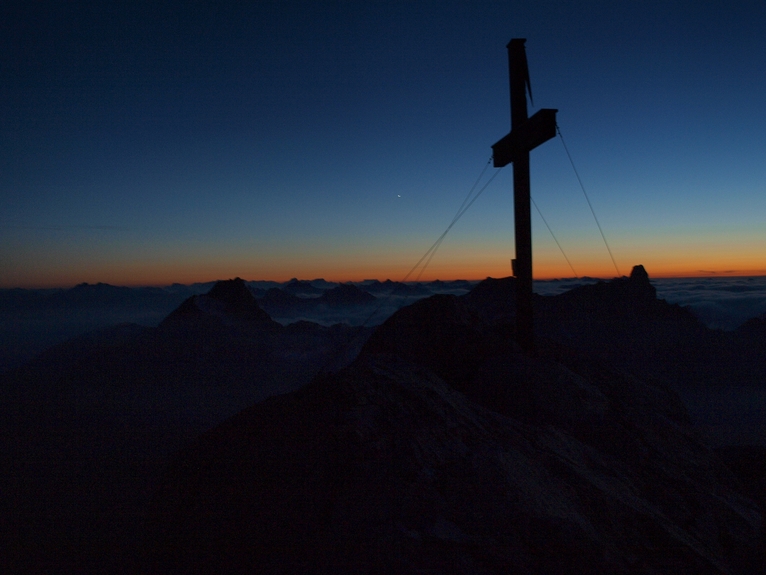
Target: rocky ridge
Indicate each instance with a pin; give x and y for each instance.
(444, 449)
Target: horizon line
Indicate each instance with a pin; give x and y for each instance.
(703, 275)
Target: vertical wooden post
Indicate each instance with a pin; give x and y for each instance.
(526, 134)
(517, 64)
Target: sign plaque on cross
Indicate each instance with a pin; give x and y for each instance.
(526, 134)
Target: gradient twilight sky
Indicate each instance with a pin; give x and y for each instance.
(158, 142)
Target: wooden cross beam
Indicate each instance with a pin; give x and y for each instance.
(526, 134)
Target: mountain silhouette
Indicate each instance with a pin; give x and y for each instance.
(228, 302)
(221, 338)
(443, 448)
(88, 425)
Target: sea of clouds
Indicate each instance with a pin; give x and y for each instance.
(721, 303)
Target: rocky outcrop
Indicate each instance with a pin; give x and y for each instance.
(495, 299)
(623, 323)
(442, 333)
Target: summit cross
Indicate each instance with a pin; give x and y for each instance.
(526, 134)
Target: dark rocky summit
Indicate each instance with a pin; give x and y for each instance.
(228, 302)
(444, 449)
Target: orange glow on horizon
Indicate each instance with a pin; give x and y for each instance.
(151, 276)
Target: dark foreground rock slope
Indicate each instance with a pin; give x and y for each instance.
(87, 428)
(443, 449)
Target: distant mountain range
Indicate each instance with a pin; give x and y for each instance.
(33, 320)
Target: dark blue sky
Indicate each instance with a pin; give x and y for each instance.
(189, 141)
